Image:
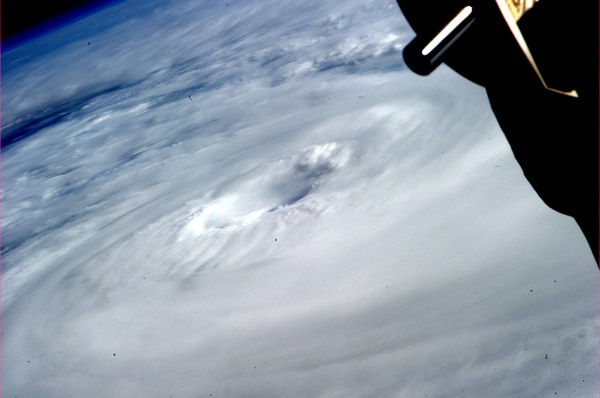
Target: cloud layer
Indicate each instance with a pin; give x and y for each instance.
(256, 199)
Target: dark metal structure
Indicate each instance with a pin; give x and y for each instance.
(538, 61)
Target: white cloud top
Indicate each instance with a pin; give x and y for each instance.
(259, 200)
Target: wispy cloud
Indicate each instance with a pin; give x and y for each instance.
(256, 199)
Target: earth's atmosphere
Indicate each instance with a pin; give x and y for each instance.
(257, 199)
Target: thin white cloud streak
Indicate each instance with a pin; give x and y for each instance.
(313, 222)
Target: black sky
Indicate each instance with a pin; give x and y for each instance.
(20, 17)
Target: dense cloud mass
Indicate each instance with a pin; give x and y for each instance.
(257, 199)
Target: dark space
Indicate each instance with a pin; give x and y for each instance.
(22, 19)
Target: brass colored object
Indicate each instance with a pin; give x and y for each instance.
(519, 7)
(512, 11)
